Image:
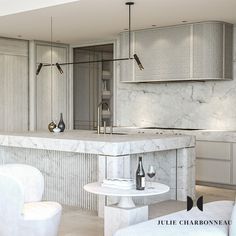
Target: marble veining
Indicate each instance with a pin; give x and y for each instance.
(70, 160)
(203, 105)
(89, 142)
(64, 173)
(201, 135)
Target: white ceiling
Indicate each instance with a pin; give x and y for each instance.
(96, 20)
(9, 7)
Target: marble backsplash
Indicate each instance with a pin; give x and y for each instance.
(202, 105)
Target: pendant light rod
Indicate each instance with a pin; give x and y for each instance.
(51, 40)
(51, 94)
(87, 62)
(129, 4)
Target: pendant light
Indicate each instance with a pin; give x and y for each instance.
(39, 68)
(135, 56)
(59, 68)
(40, 65)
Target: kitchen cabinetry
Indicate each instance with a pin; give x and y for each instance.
(107, 88)
(234, 164)
(13, 85)
(199, 51)
(51, 86)
(215, 162)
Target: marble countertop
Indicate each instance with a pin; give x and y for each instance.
(90, 142)
(201, 135)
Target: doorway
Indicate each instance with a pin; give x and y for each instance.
(92, 84)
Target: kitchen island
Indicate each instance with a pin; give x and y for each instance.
(72, 159)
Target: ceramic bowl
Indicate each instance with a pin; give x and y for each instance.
(56, 130)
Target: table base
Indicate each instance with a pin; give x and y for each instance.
(116, 218)
(126, 202)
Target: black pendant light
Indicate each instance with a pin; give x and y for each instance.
(135, 57)
(59, 68)
(40, 65)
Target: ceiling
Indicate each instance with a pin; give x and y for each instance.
(87, 21)
(9, 7)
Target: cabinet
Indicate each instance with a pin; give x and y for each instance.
(107, 88)
(234, 164)
(214, 162)
(199, 51)
(51, 86)
(13, 85)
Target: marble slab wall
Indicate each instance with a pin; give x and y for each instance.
(203, 105)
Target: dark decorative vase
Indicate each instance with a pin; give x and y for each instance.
(52, 126)
(61, 124)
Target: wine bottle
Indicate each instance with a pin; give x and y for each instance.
(140, 176)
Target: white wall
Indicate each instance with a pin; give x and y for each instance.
(206, 105)
(13, 85)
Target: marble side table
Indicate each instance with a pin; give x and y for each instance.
(124, 213)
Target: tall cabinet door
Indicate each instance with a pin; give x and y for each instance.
(13, 85)
(52, 87)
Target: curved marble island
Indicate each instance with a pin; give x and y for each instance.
(74, 158)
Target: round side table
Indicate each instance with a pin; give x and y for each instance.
(125, 213)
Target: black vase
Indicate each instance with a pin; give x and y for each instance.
(61, 124)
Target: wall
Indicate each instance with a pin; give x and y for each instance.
(51, 92)
(13, 85)
(203, 105)
(28, 102)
